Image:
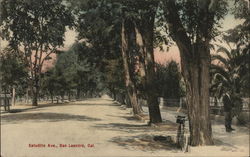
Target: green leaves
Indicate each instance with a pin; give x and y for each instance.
(13, 69)
(199, 18)
(228, 71)
(75, 69)
(168, 81)
(32, 21)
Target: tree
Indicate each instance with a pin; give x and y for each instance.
(141, 18)
(38, 28)
(101, 38)
(109, 17)
(104, 36)
(129, 83)
(13, 71)
(114, 79)
(74, 72)
(238, 37)
(88, 77)
(192, 25)
(50, 84)
(229, 75)
(169, 80)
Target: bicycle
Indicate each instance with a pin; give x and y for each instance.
(182, 139)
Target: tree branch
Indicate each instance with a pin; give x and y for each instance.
(176, 28)
(52, 51)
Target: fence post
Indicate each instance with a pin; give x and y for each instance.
(13, 96)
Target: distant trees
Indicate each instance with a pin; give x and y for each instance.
(104, 40)
(73, 73)
(13, 71)
(50, 84)
(101, 25)
(38, 28)
(114, 79)
(168, 82)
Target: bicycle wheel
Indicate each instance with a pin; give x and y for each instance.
(184, 145)
(180, 136)
(182, 139)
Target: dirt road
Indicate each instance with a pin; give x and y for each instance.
(94, 127)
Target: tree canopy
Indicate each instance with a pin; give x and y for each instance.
(36, 27)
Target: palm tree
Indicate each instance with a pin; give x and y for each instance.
(230, 76)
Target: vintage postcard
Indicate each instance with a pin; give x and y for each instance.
(124, 78)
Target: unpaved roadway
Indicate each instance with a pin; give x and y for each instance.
(99, 127)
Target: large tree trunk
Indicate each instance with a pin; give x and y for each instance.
(195, 62)
(34, 98)
(34, 92)
(198, 104)
(152, 100)
(197, 82)
(147, 35)
(130, 86)
(195, 70)
(141, 61)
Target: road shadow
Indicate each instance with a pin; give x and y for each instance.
(129, 117)
(90, 101)
(43, 117)
(129, 128)
(31, 108)
(135, 128)
(146, 142)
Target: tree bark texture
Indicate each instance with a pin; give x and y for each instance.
(144, 38)
(195, 62)
(130, 85)
(34, 92)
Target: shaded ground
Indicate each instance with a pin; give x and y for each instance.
(100, 127)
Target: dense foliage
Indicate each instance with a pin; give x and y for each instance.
(13, 71)
(169, 83)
